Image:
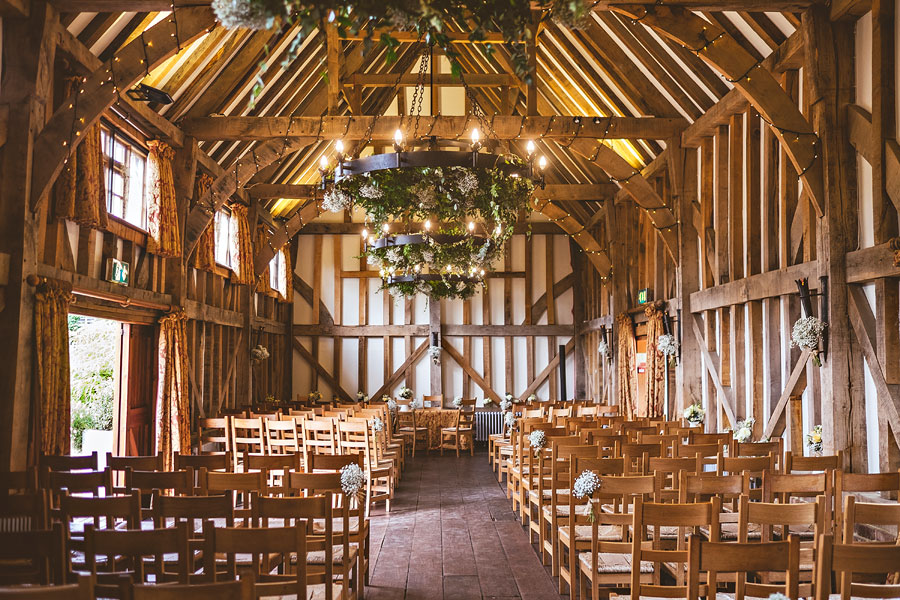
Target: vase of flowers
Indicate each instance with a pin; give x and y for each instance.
(405, 393)
(743, 432)
(315, 396)
(807, 334)
(814, 440)
(585, 486)
(362, 397)
(694, 414)
(488, 401)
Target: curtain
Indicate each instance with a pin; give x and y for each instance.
(173, 418)
(51, 422)
(241, 247)
(287, 275)
(205, 254)
(162, 208)
(652, 405)
(263, 284)
(80, 192)
(625, 357)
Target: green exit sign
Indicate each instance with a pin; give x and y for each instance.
(117, 271)
(644, 296)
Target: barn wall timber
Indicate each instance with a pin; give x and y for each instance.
(505, 337)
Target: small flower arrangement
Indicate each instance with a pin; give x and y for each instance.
(532, 398)
(377, 424)
(807, 335)
(435, 353)
(487, 401)
(457, 402)
(584, 487)
(391, 403)
(505, 405)
(537, 439)
(603, 348)
(743, 432)
(352, 479)
(416, 404)
(259, 354)
(315, 396)
(509, 419)
(405, 393)
(694, 414)
(362, 397)
(814, 439)
(667, 346)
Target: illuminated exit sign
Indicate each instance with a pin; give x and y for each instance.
(644, 296)
(117, 271)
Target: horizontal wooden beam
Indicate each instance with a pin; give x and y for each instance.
(358, 331)
(717, 5)
(455, 37)
(757, 287)
(585, 192)
(448, 127)
(373, 331)
(491, 80)
(507, 330)
(105, 6)
(872, 263)
(317, 228)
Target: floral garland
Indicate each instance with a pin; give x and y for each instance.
(450, 195)
(694, 414)
(743, 431)
(807, 334)
(814, 439)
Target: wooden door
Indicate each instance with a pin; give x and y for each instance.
(139, 389)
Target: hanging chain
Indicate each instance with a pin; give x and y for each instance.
(486, 126)
(419, 93)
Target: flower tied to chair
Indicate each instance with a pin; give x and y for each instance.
(352, 480)
(537, 439)
(585, 486)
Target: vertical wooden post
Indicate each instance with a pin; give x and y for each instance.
(579, 265)
(434, 329)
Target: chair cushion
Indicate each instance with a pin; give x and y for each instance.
(317, 557)
(612, 563)
(605, 533)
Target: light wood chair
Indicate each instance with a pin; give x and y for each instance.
(83, 589)
(742, 559)
(269, 548)
(667, 471)
(775, 447)
(410, 429)
(65, 462)
(193, 512)
(281, 436)
(247, 435)
(452, 437)
(843, 561)
(179, 483)
(436, 401)
(796, 463)
(215, 434)
(226, 590)
(110, 512)
(882, 516)
(138, 463)
(846, 483)
(237, 485)
(319, 437)
(37, 556)
(354, 438)
(789, 487)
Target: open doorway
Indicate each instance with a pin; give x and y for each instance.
(113, 378)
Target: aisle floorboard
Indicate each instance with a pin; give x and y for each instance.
(451, 534)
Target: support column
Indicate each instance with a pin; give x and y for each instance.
(434, 329)
(579, 268)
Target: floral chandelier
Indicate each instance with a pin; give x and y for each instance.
(438, 212)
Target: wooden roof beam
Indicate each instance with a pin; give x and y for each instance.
(506, 127)
(441, 79)
(580, 192)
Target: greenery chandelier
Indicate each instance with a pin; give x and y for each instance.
(440, 211)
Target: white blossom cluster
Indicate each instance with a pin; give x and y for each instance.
(466, 182)
(807, 333)
(814, 439)
(258, 354)
(377, 424)
(537, 439)
(336, 200)
(457, 402)
(416, 404)
(352, 479)
(249, 14)
(509, 419)
(435, 353)
(667, 345)
(505, 405)
(603, 348)
(406, 393)
(362, 397)
(586, 484)
(370, 191)
(694, 414)
(743, 432)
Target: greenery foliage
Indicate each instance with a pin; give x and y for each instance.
(92, 355)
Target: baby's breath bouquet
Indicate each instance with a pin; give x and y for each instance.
(584, 487)
(807, 335)
(457, 402)
(537, 439)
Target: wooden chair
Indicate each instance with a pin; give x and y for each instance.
(193, 512)
(24, 512)
(138, 463)
(739, 558)
(884, 517)
(436, 401)
(64, 462)
(110, 512)
(19, 482)
(281, 436)
(226, 590)
(269, 548)
(237, 485)
(601, 549)
(37, 556)
(649, 552)
(637, 456)
(211, 461)
(83, 589)
(783, 487)
(842, 561)
(846, 483)
(451, 437)
(354, 438)
(77, 482)
(667, 471)
(754, 466)
(775, 447)
(812, 464)
(728, 489)
(276, 465)
(329, 553)
(135, 554)
(319, 437)
(214, 432)
(247, 435)
(409, 429)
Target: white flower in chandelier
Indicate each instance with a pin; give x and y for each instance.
(352, 479)
(537, 439)
(743, 432)
(392, 255)
(336, 200)
(370, 191)
(807, 334)
(457, 402)
(467, 182)
(585, 486)
(236, 14)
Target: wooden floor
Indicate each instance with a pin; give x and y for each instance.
(451, 534)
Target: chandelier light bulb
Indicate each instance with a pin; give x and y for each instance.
(476, 136)
(339, 146)
(386, 228)
(530, 147)
(398, 137)
(416, 268)
(542, 163)
(365, 234)
(482, 272)
(427, 224)
(471, 226)
(323, 163)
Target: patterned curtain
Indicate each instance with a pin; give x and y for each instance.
(51, 349)
(173, 418)
(625, 357)
(162, 218)
(652, 405)
(80, 193)
(262, 283)
(205, 254)
(287, 277)
(241, 247)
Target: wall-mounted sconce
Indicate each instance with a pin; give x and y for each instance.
(435, 338)
(145, 93)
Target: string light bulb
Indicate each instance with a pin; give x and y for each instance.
(323, 163)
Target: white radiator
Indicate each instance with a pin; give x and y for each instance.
(487, 424)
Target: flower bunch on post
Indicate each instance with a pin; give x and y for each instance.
(694, 414)
(814, 440)
(807, 335)
(743, 431)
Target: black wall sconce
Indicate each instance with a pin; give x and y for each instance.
(435, 338)
(806, 305)
(145, 93)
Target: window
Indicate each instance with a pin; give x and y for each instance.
(225, 233)
(276, 273)
(125, 169)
